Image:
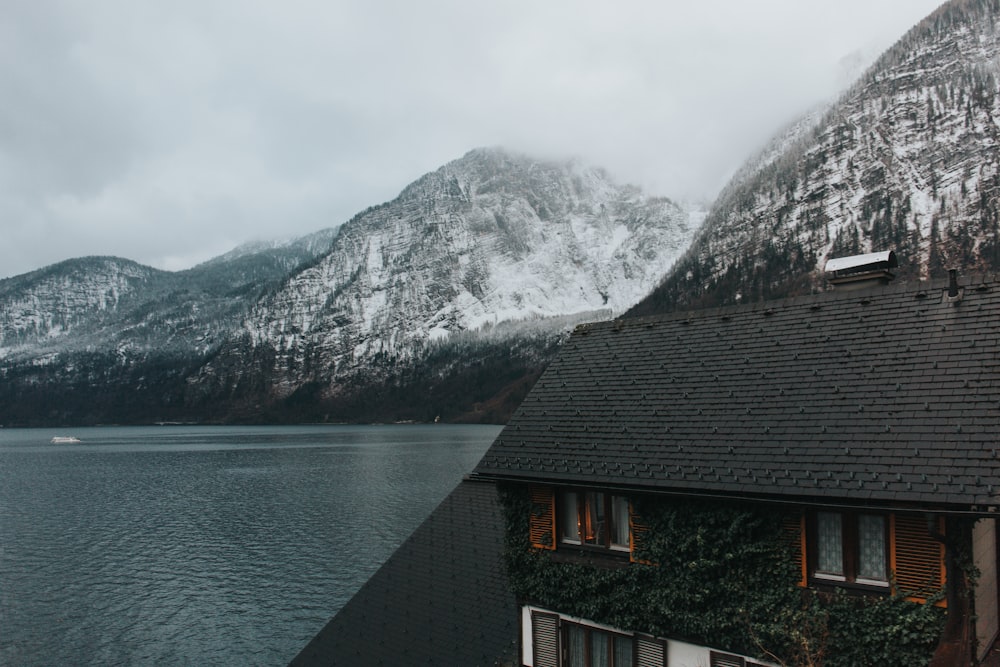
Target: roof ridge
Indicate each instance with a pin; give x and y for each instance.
(977, 279)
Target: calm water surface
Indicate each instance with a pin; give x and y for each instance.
(204, 545)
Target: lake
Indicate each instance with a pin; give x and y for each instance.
(182, 545)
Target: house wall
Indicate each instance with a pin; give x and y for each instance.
(702, 563)
(984, 553)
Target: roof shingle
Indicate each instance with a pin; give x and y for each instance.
(888, 395)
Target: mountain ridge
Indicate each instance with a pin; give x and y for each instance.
(908, 159)
(461, 285)
(448, 300)
(487, 238)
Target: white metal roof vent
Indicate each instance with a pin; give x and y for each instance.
(860, 271)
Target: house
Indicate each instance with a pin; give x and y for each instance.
(806, 481)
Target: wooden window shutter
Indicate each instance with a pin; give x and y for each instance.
(542, 528)
(793, 527)
(650, 652)
(545, 639)
(916, 558)
(638, 532)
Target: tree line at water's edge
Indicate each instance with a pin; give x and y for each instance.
(481, 383)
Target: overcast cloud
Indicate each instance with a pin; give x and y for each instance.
(170, 132)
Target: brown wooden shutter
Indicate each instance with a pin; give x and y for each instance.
(638, 531)
(793, 527)
(545, 639)
(650, 652)
(916, 558)
(542, 528)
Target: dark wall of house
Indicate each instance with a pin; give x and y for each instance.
(723, 575)
(440, 599)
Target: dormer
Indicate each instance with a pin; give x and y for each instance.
(861, 271)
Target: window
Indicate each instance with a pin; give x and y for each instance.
(869, 549)
(586, 520)
(586, 646)
(559, 641)
(850, 547)
(594, 518)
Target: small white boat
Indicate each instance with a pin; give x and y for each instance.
(64, 439)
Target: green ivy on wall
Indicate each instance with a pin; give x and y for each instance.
(724, 576)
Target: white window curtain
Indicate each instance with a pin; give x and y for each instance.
(599, 649)
(577, 646)
(623, 652)
(871, 547)
(829, 543)
(619, 521)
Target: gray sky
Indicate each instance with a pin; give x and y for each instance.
(169, 132)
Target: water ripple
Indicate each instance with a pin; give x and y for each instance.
(191, 546)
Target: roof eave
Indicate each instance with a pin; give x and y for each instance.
(847, 502)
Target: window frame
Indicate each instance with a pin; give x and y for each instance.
(545, 644)
(850, 550)
(574, 502)
(565, 627)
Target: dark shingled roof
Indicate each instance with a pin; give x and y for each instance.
(888, 396)
(441, 599)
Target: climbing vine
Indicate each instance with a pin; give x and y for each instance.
(723, 576)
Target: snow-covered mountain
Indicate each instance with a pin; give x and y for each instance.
(493, 254)
(67, 299)
(490, 238)
(110, 303)
(284, 255)
(908, 159)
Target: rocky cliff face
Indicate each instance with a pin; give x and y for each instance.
(67, 300)
(908, 159)
(487, 239)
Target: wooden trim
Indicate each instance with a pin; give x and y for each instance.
(802, 545)
(892, 550)
(943, 564)
(793, 527)
(917, 559)
(637, 533)
(542, 526)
